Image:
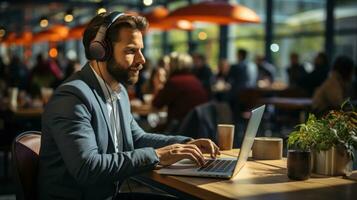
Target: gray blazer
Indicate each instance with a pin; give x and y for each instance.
(77, 155)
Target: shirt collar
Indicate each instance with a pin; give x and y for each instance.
(115, 95)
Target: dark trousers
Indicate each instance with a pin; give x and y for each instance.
(143, 196)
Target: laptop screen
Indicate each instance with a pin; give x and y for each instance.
(250, 133)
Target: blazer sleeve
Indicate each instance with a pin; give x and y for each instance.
(68, 121)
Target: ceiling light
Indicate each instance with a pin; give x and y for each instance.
(147, 2)
(202, 35)
(184, 24)
(274, 47)
(53, 53)
(68, 18)
(101, 10)
(44, 22)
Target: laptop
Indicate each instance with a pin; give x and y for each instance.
(221, 167)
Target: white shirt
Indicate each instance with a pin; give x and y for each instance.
(113, 115)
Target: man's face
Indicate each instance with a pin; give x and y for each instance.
(127, 58)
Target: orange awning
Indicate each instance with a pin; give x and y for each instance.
(54, 34)
(24, 39)
(76, 32)
(215, 12)
(157, 20)
(10, 38)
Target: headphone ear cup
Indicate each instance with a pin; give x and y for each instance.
(108, 50)
(97, 50)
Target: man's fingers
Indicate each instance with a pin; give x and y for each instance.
(192, 146)
(191, 157)
(216, 149)
(199, 157)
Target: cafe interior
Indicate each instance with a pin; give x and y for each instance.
(296, 57)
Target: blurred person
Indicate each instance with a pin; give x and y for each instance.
(44, 74)
(18, 74)
(164, 62)
(143, 77)
(266, 71)
(314, 79)
(72, 67)
(223, 70)
(244, 74)
(90, 142)
(182, 91)
(336, 88)
(221, 84)
(202, 71)
(156, 82)
(3, 75)
(296, 71)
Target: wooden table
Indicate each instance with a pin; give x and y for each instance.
(288, 102)
(257, 180)
(28, 112)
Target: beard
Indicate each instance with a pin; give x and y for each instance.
(126, 76)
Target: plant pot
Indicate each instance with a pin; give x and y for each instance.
(333, 162)
(299, 164)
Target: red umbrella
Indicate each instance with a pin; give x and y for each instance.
(157, 20)
(215, 12)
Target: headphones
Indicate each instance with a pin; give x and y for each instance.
(100, 49)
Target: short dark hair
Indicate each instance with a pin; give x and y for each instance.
(125, 21)
(344, 66)
(243, 53)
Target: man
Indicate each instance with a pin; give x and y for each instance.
(90, 142)
(314, 79)
(296, 71)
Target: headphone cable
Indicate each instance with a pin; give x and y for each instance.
(115, 125)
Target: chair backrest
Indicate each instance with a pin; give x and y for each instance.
(201, 122)
(25, 156)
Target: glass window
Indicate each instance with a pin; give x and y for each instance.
(291, 17)
(346, 28)
(248, 36)
(298, 26)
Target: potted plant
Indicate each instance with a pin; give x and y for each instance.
(332, 138)
(300, 143)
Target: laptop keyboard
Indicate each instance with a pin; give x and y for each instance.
(218, 166)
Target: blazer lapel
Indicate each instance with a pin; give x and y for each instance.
(89, 77)
(128, 144)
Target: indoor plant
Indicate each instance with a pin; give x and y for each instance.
(332, 138)
(300, 143)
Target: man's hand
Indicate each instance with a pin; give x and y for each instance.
(206, 146)
(171, 154)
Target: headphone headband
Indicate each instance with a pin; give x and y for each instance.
(98, 48)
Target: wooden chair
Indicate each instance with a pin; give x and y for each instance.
(25, 156)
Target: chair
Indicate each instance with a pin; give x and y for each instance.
(25, 156)
(201, 122)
